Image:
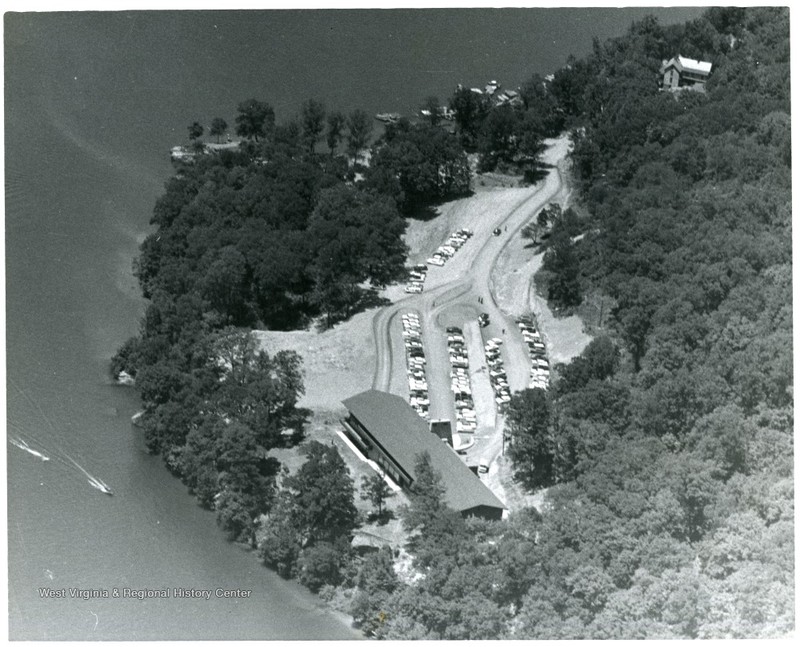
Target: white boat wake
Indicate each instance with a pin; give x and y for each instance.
(98, 484)
(18, 442)
(35, 448)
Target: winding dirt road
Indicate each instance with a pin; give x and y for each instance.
(455, 294)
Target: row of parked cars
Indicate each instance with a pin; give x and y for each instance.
(466, 420)
(415, 364)
(416, 276)
(540, 367)
(454, 243)
(497, 373)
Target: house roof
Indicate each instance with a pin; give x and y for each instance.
(404, 435)
(688, 64)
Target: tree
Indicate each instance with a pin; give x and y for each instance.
(375, 581)
(434, 110)
(319, 565)
(564, 289)
(376, 491)
(288, 139)
(196, 131)
(357, 234)
(598, 361)
(256, 389)
(218, 127)
(255, 120)
(531, 448)
(419, 165)
(224, 283)
(281, 543)
(322, 496)
(470, 110)
(542, 111)
(247, 481)
(233, 515)
(359, 130)
(426, 495)
(538, 227)
(336, 125)
(496, 139)
(312, 122)
(637, 300)
(531, 231)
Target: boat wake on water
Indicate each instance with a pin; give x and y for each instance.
(98, 484)
(27, 442)
(18, 442)
(92, 480)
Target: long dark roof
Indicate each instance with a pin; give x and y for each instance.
(404, 435)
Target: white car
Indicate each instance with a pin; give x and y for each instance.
(436, 260)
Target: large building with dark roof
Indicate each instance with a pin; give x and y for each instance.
(387, 430)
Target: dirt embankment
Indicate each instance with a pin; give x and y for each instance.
(337, 362)
(512, 280)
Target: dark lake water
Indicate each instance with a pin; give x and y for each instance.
(93, 102)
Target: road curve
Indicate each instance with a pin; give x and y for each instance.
(466, 289)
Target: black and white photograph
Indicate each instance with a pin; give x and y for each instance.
(396, 322)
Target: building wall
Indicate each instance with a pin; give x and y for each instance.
(362, 439)
(372, 450)
(671, 78)
(484, 512)
(674, 79)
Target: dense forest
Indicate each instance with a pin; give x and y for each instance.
(288, 229)
(666, 448)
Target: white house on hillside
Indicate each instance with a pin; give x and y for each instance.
(680, 72)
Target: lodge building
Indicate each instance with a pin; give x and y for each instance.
(387, 430)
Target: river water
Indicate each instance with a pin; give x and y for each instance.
(93, 102)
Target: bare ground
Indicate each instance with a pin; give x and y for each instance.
(565, 337)
(340, 362)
